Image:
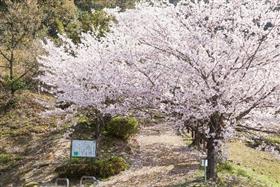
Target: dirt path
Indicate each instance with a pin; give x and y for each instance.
(162, 159)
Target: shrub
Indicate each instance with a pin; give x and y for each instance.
(242, 172)
(15, 83)
(83, 120)
(122, 127)
(87, 123)
(59, 26)
(111, 167)
(103, 168)
(225, 166)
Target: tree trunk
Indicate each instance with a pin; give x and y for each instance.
(11, 69)
(197, 139)
(212, 161)
(215, 125)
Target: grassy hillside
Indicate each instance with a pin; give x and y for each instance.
(259, 166)
(28, 136)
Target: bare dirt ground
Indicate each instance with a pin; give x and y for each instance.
(162, 159)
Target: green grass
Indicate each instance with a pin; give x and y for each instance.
(195, 179)
(23, 123)
(8, 160)
(258, 166)
(24, 119)
(242, 176)
(5, 158)
(272, 139)
(246, 167)
(187, 139)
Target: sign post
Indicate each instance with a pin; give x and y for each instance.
(83, 149)
(204, 163)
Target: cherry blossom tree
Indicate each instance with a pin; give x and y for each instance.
(211, 63)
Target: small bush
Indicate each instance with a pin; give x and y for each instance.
(243, 173)
(14, 84)
(225, 166)
(76, 168)
(83, 120)
(122, 127)
(111, 167)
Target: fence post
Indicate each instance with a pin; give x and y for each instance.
(62, 179)
(93, 180)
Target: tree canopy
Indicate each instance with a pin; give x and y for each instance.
(211, 63)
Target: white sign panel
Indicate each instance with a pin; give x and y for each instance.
(204, 163)
(83, 148)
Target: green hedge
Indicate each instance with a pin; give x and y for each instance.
(76, 168)
(122, 127)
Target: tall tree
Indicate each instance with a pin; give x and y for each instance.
(18, 26)
(212, 62)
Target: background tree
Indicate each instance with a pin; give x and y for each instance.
(212, 63)
(18, 27)
(58, 14)
(88, 5)
(64, 17)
